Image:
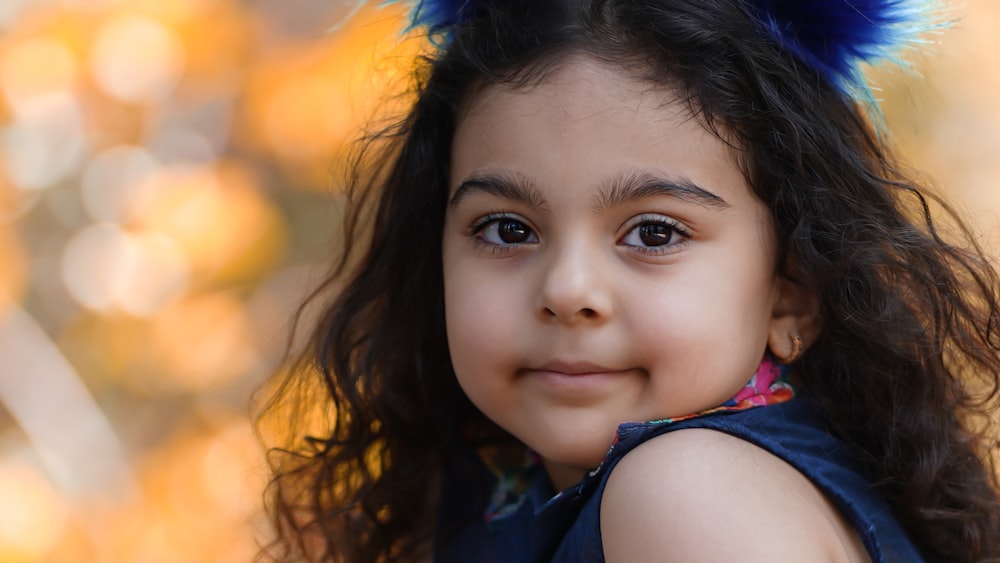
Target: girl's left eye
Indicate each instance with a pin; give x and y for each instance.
(654, 234)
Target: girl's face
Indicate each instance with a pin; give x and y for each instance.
(604, 261)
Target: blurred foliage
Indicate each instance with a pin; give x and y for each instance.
(165, 178)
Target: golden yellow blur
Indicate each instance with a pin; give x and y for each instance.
(165, 171)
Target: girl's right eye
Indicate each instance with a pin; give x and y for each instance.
(503, 231)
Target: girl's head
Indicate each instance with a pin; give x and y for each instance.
(667, 160)
(609, 210)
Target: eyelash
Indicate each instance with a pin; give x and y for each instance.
(494, 218)
(674, 229)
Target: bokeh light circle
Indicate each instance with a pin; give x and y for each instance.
(45, 143)
(35, 67)
(106, 268)
(94, 263)
(137, 59)
(32, 517)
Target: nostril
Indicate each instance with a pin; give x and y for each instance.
(583, 313)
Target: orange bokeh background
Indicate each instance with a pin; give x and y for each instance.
(168, 172)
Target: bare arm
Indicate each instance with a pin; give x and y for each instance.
(701, 495)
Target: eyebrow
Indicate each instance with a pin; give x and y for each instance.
(641, 185)
(621, 189)
(508, 186)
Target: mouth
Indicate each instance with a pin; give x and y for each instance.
(575, 368)
(576, 381)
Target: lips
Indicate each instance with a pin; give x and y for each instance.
(575, 368)
(575, 383)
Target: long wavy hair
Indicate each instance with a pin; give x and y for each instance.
(906, 369)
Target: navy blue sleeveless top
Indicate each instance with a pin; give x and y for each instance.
(566, 527)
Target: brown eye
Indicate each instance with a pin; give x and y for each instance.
(512, 232)
(654, 234)
(504, 230)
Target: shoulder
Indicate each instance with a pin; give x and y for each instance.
(702, 495)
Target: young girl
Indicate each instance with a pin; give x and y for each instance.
(635, 280)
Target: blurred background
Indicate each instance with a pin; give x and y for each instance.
(168, 181)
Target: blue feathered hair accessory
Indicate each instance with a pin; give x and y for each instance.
(438, 15)
(834, 37)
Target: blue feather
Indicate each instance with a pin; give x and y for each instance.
(836, 36)
(436, 15)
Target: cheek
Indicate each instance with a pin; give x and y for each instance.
(706, 316)
(700, 343)
(676, 324)
(479, 315)
(481, 330)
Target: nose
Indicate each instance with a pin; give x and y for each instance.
(574, 287)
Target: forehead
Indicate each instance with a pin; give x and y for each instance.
(584, 121)
(576, 86)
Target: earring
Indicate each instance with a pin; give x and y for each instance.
(796, 347)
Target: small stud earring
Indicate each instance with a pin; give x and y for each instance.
(796, 347)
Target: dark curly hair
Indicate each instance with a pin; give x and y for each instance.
(906, 368)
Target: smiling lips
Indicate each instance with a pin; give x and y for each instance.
(574, 369)
(575, 381)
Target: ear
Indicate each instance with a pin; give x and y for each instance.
(795, 316)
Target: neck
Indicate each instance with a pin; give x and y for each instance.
(563, 476)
